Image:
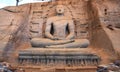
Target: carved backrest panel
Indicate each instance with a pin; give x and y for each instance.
(40, 13)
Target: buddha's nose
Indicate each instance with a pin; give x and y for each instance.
(60, 10)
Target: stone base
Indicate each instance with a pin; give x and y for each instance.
(59, 69)
(57, 50)
(64, 57)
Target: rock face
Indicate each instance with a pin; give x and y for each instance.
(96, 20)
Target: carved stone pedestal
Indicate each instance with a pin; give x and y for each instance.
(58, 57)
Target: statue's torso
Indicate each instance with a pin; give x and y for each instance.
(59, 26)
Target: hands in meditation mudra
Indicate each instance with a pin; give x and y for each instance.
(59, 33)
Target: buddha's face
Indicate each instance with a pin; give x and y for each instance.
(60, 9)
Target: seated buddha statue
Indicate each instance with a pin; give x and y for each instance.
(60, 33)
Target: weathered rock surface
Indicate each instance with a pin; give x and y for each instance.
(97, 20)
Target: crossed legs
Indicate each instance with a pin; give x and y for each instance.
(78, 43)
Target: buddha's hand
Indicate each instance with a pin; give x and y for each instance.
(72, 40)
(55, 38)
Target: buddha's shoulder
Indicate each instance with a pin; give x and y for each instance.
(67, 17)
(52, 18)
(57, 18)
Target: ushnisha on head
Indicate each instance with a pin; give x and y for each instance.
(60, 9)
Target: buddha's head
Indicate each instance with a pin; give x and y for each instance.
(60, 9)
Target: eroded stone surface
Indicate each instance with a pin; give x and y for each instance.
(92, 19)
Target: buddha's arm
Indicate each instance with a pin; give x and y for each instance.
(47, 30)
(71, 29)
